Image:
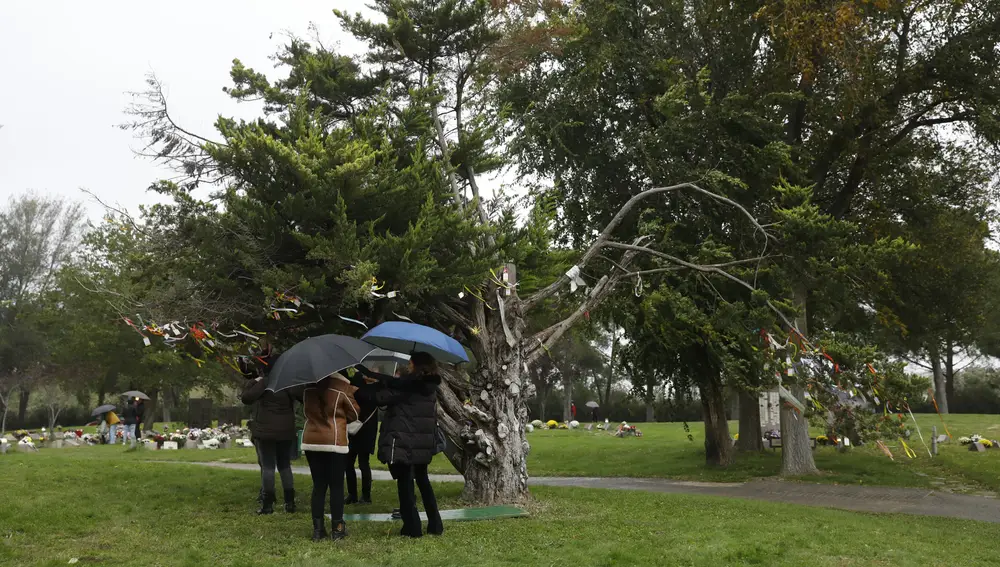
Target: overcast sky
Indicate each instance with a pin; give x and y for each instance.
(66, 68)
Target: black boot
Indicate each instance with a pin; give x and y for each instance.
(396, 515)
(366, 493)
(319, 529)
(267, 504)
(339, 531)
(351, 499)
(290, 501)
(260, 496)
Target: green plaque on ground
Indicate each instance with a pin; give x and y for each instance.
(461, 515)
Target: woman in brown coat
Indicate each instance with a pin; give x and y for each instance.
(329, 407)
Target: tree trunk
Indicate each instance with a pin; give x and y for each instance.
(3, 421)
(54, 412)
(22, 406)
(611, 365)
(796, 449)
(718, 443)
(751, 436)
(650, 401)
(568, 402)
(650, 413)
(166, 405)
(489, 444)
(149, 410)
(940, 388)
(949, 375)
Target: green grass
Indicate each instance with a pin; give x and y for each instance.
(664, 451)
(113, 510)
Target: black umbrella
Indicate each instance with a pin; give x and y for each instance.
(135, 394)
(103, 409)
(315, 358)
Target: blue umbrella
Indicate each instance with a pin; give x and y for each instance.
(408, 338)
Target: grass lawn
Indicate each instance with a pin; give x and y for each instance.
(114, 510)
(664, 451)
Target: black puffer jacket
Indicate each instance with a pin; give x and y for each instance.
(363, 441)
(410, 418)
(273, 416)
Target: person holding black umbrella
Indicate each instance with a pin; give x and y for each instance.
(272, 428)
(329, 408)
(408, 441)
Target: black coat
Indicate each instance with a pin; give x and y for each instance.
(363, 441)
(131, 415)
(273, 416)
(410, 419)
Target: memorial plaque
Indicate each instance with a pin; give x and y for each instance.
(199, 413)
(230, 415)
(169, 445)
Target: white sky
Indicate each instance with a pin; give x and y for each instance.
(66, 68)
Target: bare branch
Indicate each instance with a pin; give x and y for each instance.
(605, 236)
(701, 268)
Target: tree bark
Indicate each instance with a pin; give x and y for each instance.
(796, 449)
(650, 399)
(949, 374)
(568, 389)
(149, 410)
(940, 388)
(166, 405)
(22, 406)
(751, 436)
(718, 443)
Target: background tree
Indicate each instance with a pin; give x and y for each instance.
(38, 235)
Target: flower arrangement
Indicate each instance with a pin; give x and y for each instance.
(564, 425)
(193, 434)
(538, 424)
(736, 437)
(624, 430)
(529, 428)
(574, 424)
(772, 434)
(177, 437)
(971, 439)
(987, 443)
(20, 434)
(552, 424)
(222, 438)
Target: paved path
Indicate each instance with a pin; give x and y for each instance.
(916, 501)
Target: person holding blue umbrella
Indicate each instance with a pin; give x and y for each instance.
(407, 442)
(408, 439)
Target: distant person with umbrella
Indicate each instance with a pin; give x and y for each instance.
(131, 419)
(593, 410)
(109, 419)
(272, 427)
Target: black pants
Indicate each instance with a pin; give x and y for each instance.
(327, 470)
(273, 455)
(366, 475)
(405, 476)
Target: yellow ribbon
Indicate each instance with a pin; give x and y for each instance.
(907, 449)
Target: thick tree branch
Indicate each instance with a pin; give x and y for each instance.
(605, 235)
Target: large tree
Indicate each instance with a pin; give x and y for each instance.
(849, 97)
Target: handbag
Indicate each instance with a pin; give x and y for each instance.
(356, 425)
